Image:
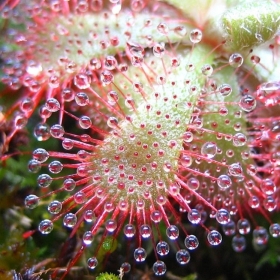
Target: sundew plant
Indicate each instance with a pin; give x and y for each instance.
(153, 119)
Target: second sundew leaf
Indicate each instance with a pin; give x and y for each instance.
(220, 150)
(251, 23)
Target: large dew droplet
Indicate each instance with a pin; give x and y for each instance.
(223, 216)
(87, 238)
(159, 268)
(92, 263)
(243, 226)
(236, 60)
(55, 207)
(274, 230)
(195, 36)
(40, 155)
(55, 167)
(145, 231)
(191, 242)
(57, 131)
(44, 180)
(129, 230)
(260, 236)
(224, 182)
(225, 89)
(140, 254)
(81, 81)
(209, 149)
(247, 103)
(162, 248)
(172, 232)
(70, 220)
(42, 132)
(238, 243)
(194, 216)
(52, 105)
(214, 237)
(183, 256)
(46, 226)
(34, 166)
(31, 201)
(81, 99)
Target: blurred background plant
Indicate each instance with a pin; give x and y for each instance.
(225, 55)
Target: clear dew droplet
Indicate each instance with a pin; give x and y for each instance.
(183, 256)
(225, 89)
(44, 180)
(69, 184)
(235, 60)
(140, 254)
(40, 155)
(27, 105)
(45, 226)
(85, 122)
(80, 197)
(34, 166)
(106, 77)
(260, 236)
(159, 268)
(57, 131)
(214, 237)
(87, 238)
(191, 242)
(162, 248)
(111, 225)
(224, 182)
(42, 132)
(172, 232)
(223, 216)
(129, 230)
(239, 139)
(52, 105)
(92, 263)
(68, 94)
(268, 187)
(247, 103)
(55, 207)
(195, 36)
(207, 70)
(243, 226)
(229, 228)
(238, 243)
(159, 50)
(82, 81)
(20, 121)
(55, 167)
(112, 122)
(126, 267)
(274, 230)
(145, 231)
(70, 220)
(67, 144)
(82, 99)
(31, 201)
(89, 216)
(209, 149)
(194, 216)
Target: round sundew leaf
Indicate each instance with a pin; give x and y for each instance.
(251, 23)
(160, 120)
